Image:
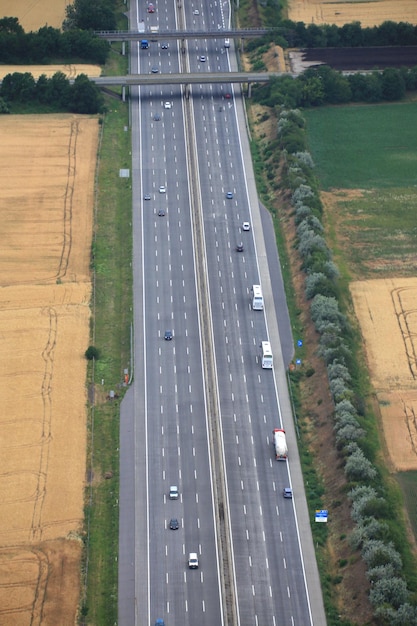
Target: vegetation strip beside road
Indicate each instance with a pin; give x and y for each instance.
(274, 185)
(111, 264)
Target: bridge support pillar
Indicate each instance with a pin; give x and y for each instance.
(249, 90)
(123, 93)
(123, 48)
(187, 91)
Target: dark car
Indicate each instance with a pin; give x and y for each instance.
(239, 247)
(157, 117)
(161, 213)
(168, 335)
(159, 622)
(164, 46)
(173, 524)
(147, 196)
(155, 70)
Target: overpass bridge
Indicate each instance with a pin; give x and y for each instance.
(192, 78)
(186, 79)
(136, 35)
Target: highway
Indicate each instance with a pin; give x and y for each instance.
(189, 278)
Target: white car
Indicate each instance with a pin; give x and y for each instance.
(245, 226)
(167, 105)
(173, 492)
(162, 189)
(196, 12)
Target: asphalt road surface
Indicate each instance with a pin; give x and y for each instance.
(165, 420)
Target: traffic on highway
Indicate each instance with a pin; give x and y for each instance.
(210, 525)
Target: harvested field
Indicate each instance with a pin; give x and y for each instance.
(70, 71)
(47, 167)
(387, 313)
(33, 15)
(338, 12)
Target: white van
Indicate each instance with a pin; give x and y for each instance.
(257, 298)
(193, 560)
(227, 43)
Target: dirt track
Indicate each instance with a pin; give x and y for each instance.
(47, 166)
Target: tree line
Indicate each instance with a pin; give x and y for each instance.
(290, 34)
(392, 592)
(323, 85)
(56, 93)
(48, 45)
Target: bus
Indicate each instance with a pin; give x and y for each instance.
(257, 298)
(267, 360)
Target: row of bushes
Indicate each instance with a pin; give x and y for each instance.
(56, 92)
(48, 45)
(323, 85)
(389, 594)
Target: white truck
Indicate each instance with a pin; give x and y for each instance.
(154, 30)
(280, 444)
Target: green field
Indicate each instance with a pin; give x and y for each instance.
(408, 482)
(363, 147)
(373, 149)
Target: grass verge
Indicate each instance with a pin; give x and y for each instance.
(111, 263)
(111, 256)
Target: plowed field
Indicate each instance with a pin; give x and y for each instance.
(47, 166)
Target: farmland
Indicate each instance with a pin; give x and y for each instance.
(338, 12)
(47, 192)
(365, 158)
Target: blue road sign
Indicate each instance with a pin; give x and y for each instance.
(299, 343)
(321, 515)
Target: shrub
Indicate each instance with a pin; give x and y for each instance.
(376, 552)
(358, 467)
(92, 353)
(380, 571)
(345, 406)
(301, 212)
(389, 591)
(339, 389)
(368, 528)
(338, 370)
(316, 283)
(302, 192)
(305, 158)
(348, 432)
